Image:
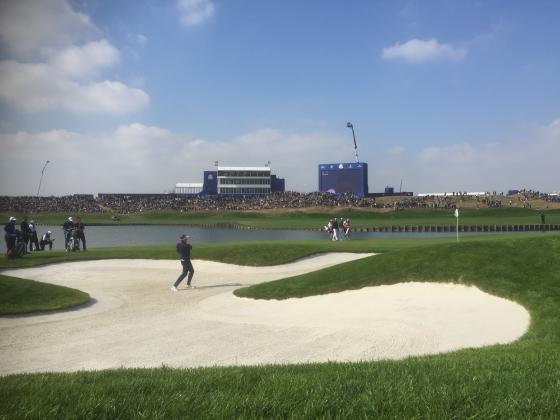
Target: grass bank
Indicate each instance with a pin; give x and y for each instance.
(260, 253)
(494, 264)
(315, 219)
(21, 296)
(519, 380)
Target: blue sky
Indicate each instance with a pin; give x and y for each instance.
(138, 95)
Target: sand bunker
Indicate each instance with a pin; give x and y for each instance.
(138, 322)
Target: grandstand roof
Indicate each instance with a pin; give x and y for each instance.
(243, 168)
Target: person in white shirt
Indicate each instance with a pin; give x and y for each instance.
(47, 239)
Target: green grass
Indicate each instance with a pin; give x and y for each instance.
(494, 264)
(305, 220)
(21, 296)
(519, 380)
(250, 253)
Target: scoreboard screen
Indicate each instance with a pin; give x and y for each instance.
(343, 178)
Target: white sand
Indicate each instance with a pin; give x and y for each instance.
(138, 322)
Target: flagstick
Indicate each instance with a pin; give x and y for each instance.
(456, 213)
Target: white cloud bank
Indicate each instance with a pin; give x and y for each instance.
(48, 71)
(417, 51)
(29, 28)
(528, 162)
(195, 12)
(139, 158)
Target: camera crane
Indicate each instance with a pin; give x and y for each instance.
(349, 125)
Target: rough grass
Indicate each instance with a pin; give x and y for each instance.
(315, 219)
(21, 296)
(259, 253)
(520, 380)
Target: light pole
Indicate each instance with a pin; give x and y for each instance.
(42, 173)
(349, 125)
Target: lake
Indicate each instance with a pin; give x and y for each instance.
(119, 235)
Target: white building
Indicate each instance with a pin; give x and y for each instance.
(243, 180)
(188, 188)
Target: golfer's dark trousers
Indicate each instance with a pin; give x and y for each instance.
(187, 269)
(10, 242)
(82, 237)
(34, 240)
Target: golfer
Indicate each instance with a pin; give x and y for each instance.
(184, 251)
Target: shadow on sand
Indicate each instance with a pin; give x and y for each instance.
(214, 286)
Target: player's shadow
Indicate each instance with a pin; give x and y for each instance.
(218, 285)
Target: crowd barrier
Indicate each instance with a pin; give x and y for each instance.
(417, 228)
(462, 228)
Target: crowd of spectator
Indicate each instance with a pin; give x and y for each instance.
(69, 203)
(125, 204)
(284, 200)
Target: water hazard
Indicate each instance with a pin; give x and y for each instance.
(122, 235)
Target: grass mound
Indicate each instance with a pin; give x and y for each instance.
(499, 266)
(21, 296)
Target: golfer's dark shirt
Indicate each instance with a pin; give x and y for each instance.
(184, 250)
(10, 229)
(25, 228)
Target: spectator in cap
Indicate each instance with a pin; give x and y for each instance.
(335, 229)
(33, 239)
(346, 226)
(340, 228)
(10, 235)
(184, 251)
(25, 232)
(79, 228)
(67, 227)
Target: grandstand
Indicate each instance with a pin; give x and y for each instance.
(188, 188)
(234, 180)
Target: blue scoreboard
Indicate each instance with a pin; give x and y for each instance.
(337, 178)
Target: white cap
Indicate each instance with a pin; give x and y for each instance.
(70, 218)
(49, 232)
(12, 219)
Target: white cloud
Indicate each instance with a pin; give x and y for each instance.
(194, 12)
(109, 97)
(417, 50)
(50, 72)
(29, 28)
(140, 158)
(85, 61)
(37, 87)
(529, 162)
